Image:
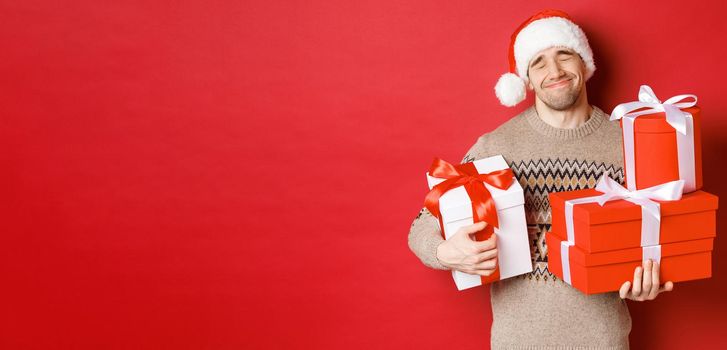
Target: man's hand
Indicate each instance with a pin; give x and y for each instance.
(463, 253)
(646, 288)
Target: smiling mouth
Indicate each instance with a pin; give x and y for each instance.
(558, 84)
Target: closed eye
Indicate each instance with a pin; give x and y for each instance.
(564, 55)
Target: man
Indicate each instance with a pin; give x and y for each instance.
(561, 143)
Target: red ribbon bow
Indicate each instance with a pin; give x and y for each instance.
(483, 206)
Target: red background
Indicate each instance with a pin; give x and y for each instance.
(219, 175)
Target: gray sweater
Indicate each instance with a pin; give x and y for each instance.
(538, 310)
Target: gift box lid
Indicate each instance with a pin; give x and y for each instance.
(455, 204)
(656, 123)
(623, 210)
(580, 257)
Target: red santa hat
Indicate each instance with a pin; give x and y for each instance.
(546, 29)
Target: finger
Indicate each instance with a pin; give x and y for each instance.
(487, 244)
(667, 287)
(636, 287)
(623, 292)
(483, 272)
(476, 227)
(654, 280)
(487, 255)
(494, 239)
(486, 265)
(646, 284)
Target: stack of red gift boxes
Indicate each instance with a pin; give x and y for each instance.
(599, 236)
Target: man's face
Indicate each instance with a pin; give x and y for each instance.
(557, 75)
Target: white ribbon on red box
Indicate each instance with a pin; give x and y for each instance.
(680, 120)
(650, 215)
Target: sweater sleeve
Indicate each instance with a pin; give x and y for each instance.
(424, 238)
(425, 235)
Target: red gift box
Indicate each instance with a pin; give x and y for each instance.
(617, 224)
(598, 236)
(607, 271)
(662, 141)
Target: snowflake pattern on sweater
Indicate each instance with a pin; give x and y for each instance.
(540, 177)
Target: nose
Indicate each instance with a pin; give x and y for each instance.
(555, 70)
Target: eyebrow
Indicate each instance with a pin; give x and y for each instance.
(560, 52)
(537, 60)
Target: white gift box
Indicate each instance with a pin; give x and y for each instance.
(513, 247)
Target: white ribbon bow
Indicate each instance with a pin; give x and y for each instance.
(681, 121)
(650, 214)
(647, 99)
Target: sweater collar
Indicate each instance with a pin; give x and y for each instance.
(595, 120)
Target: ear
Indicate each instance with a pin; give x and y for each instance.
(530, 81)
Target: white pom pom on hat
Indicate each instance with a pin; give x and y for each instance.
(510, 89)
(543, 30)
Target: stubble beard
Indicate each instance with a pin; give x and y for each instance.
(562, 100)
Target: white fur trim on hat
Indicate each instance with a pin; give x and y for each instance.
(550, 32)
(510, 89)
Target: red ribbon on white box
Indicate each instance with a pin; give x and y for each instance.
(680, 120)
(650, 215)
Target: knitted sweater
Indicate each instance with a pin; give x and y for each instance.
(538, 310)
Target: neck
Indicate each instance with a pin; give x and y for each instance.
(570, 118)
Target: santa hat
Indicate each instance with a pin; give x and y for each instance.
(544, 30)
